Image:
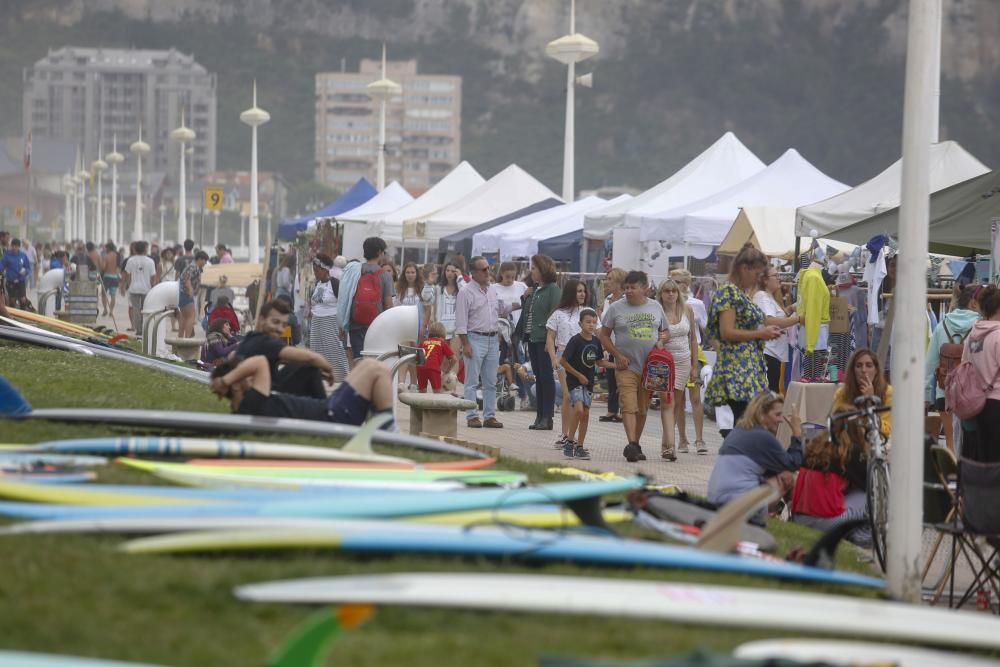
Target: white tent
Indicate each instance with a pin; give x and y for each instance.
(788, 182)
(950, 164)
(960, 222)
(459, 182)
(355, 221)
(722, 165)
(771, 230)
(392, 198)
(488, 240)
(525, 243)
(510, 190)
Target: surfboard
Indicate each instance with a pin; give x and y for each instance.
(529, 517)
(181, 471)
(384, 504)
(55, 323)
(222, 422)
(463, 464)
(848, 653)
(10, 457)
(55, 341)
(49, 478)
(687, 603)
(25, 659)
(163, 447)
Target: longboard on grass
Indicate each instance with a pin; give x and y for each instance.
(686, 603)
(851, 654)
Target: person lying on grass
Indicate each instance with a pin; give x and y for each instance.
(247, 385)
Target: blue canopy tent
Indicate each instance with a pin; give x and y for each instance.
(359, 193)
(460, 243)
(564, 248)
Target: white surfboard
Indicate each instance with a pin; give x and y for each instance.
(849, 653)
(689, 603)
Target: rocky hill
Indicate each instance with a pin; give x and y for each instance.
(824, 76)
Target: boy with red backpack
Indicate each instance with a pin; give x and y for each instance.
(365, 291)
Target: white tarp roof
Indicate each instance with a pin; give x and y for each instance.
(772, 230)
(788, 182)
(722, 165)
(524, 243)
(960, 218)
(488, 240)
(510, 190)
(950, 164)
(392, 198)
(459, 182)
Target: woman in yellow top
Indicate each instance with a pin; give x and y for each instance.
(864, 378)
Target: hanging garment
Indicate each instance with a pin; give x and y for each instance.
(874, 275)
(813, 305)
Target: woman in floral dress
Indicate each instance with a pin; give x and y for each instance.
(738, 325)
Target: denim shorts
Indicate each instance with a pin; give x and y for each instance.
(580, 394)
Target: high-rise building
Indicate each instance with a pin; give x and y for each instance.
(89, 95)
(423, 126)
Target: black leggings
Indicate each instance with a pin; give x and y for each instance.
(773, 372)
(545, 384)
(982, 445)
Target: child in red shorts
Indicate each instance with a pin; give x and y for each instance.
(440, 359)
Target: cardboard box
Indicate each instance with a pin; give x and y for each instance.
(840, 321)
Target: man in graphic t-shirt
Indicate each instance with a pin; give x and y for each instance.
(638, 324)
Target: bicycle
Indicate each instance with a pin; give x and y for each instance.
(877, 475)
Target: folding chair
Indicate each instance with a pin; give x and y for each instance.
(979, 503)
(942, 513)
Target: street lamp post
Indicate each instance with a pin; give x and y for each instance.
(82, 176)
(140, 149)
(99, 166)
(569, 50)
(114, 158)
(183, 135)
(69, 189)
(163, 212)
(381, 91)
(215, 228)
(254, 117)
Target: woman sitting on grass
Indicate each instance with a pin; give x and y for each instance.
(751, 455)
(219, 342)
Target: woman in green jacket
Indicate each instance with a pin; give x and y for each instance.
(539, 306)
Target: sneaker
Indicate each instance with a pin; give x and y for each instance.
(413, 387)
(667, 454)
(561, 441)
(682, 448)
(525, 405)
(700, 447)
(633, 453)
(513, 388)
(581, 454)
(569, 450)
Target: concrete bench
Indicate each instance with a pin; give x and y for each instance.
(188, 349)
(434, 414)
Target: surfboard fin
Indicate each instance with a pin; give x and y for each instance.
(724, 532)
(361, 443)
(311, 641)
(823, 552)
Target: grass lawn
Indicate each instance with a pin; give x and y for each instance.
(78, 595)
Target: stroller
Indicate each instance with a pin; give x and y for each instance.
(506, 393)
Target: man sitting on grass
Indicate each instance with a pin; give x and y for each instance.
(247, 385)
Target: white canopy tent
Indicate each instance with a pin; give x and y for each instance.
(459, 182)
(355, 221)
(720, 166)
(788, 182)
(510, 190)
(960, 218)
(950, 164)
(525, 243)
(771, 230)
(488, 240)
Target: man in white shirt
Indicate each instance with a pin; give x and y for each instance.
(140, 276)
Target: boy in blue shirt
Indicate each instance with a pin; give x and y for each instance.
(16, 269)
(581, 358)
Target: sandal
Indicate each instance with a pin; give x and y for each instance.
(610, 418)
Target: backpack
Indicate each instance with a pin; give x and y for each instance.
(367, 303)
(965, 390)
(658, 372)
(949, 355)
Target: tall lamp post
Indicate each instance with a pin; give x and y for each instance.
(69, 189)
(215, 228)
(183, 135)
(82, 176)
(114, 158)
(121, 215)
(163, 212)
(381, 91)
(139, 148)
(254, 117)
(99, 166)
(569, 50)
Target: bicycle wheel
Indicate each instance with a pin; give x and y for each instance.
(877, 503)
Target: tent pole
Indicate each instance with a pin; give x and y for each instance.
(795, 256)
(686, 253)
(906, 490)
